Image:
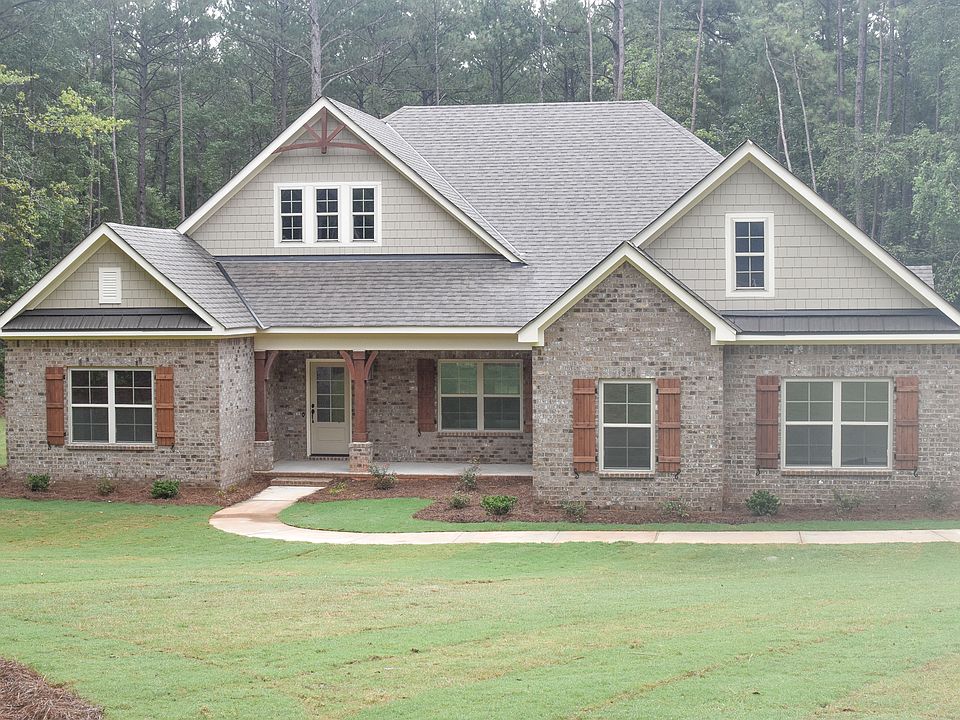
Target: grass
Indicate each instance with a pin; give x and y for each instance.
(154, 614)
(395, 515)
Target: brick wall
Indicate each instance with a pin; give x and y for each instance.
(200, 433)
(938, 367)
(628, 328)
(391, 413)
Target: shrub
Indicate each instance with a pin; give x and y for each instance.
(468, 478)
(937, 498)
(675, 509)
(38, 483)
(458, 501)
(383, 479)
(845, 504)
(498, 504)
(763, 502)
(165, 489)
(338, 487)
(576, 511)
(105, 486)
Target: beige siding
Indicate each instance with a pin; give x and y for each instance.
(815, 268)
(82, 288)
(410, 221)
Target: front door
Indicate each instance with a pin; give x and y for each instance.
(328, 406)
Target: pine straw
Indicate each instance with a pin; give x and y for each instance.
(25, 695)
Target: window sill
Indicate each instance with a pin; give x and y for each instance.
(121, 447)
(836, 471)
(626, 474)
(481, 433)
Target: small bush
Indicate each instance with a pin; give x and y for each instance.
(383, 479)
(498, 504)
(458, 501)
(937, 498)
(38, 483)
(165, 489)
(675, 509)
(763, 502)
(337, 488)
(845, 504)
(576, 511)
(106, 486)
(468, 478)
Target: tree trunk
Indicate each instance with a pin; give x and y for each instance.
(316, 51)
(659, 71)
(620, 54)
(806, 125)
(113, 110)
(180, 136)
(142, 120)
(540, 52)
(783, 129)
(840, 63)
(696, 70)
(858, 111)
(589, 8)
(436, 52)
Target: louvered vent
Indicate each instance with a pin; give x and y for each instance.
(109, 285)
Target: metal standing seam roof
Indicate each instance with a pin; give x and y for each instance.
(96, 319)
(812, 322)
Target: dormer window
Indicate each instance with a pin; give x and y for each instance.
(326, 214)
(749, 255)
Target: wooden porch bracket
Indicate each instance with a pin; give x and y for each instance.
(263, 364)
(358, 366)
(324, 139)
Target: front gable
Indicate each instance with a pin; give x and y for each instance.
(416, 211)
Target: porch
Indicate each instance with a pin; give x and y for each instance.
(322, 413)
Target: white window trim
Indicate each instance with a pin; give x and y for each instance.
(345, 208)
(652, 424)
(768, 290)
(480, 395)
(106, 299)
(112, 406)
(837, 424)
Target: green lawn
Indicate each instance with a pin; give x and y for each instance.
(395, 515)
(154, 614)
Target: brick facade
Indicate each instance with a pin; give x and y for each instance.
(628, 328)
(391, 413)
(213, 411)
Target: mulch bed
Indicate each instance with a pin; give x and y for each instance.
(25, 695)
(530, 509)
(131, 492)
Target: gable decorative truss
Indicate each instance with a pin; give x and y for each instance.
(79, 255)
(324, 108)
(721, 331)
(750, 152)
(325, 139)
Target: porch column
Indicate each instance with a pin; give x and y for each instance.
(262, 445)
(358, 366)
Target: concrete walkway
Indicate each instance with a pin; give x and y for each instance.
(257, 517)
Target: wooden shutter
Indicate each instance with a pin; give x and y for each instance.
(668, 425)
(768, 422)
(426, 395)
(528, 394)
(584, 425)
(55, 417)
(907, 447)
(163, 403)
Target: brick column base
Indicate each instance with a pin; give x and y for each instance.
(361, 457)
(263, 455)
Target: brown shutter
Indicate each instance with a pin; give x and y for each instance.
(55, 416)
(528, 394)
(427, 395)
(163, 378)
(668, 425)
(768, 421)
(584, 425)
(907, 447)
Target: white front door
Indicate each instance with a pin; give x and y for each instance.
(328, 407)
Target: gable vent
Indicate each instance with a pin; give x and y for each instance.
(109, 285)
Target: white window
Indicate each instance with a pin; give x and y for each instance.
(626, 425)
(110, 290)
(327, 214)
(480, 395)
(111, 406)
(836, 423)
(750, 261)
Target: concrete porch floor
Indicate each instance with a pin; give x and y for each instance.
(326, 468)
